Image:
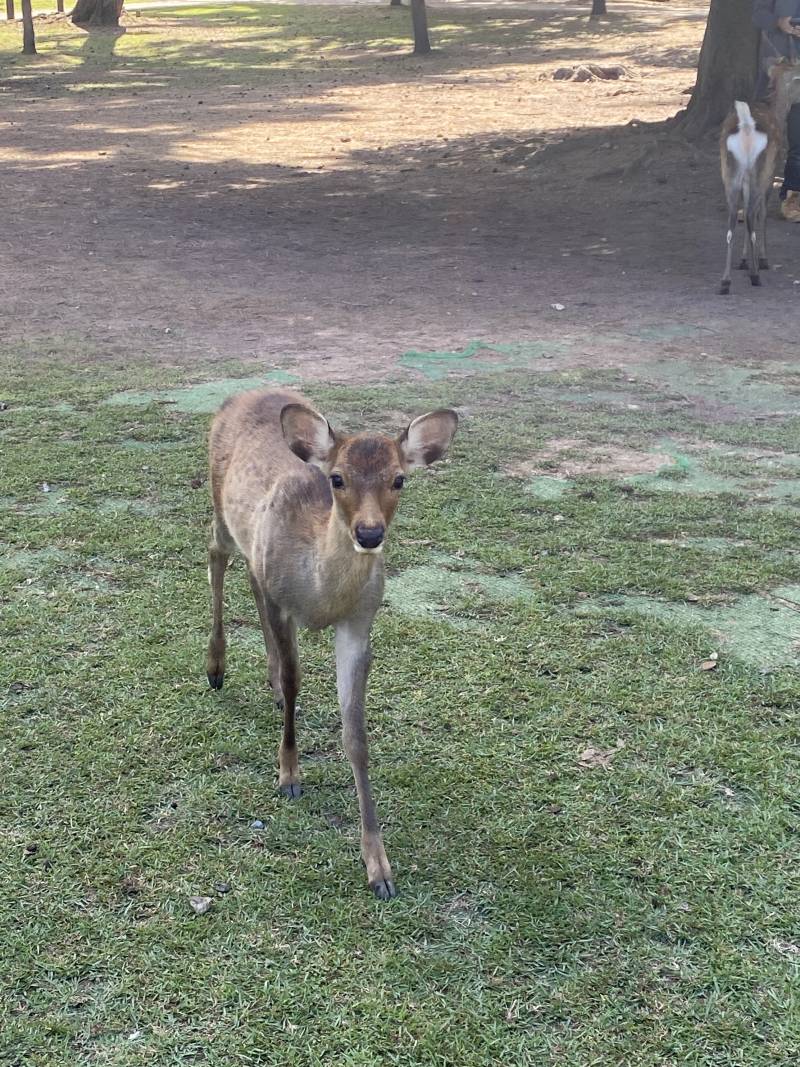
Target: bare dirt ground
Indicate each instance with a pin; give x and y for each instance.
(354, 206)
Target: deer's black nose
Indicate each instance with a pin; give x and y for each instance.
(370, 536)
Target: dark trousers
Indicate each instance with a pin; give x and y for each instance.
(791, 176)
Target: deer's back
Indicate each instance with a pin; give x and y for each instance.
(251, 466)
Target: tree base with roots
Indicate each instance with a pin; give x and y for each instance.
(97, 12)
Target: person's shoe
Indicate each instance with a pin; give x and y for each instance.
(790, 207)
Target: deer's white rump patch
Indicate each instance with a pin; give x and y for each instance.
(747, 144)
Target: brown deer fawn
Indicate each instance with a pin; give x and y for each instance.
(751, 140)
(309, 508)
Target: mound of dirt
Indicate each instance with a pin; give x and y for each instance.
(590, 72)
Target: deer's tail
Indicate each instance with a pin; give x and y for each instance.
(747, 144)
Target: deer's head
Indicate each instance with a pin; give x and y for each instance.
(367, 471)
(784, 79)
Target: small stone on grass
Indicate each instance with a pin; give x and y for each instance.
(200, 905)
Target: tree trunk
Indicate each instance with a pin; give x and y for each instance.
(419, 19)
(10, 10)
(395, 3)
(28, 36)
(97, 12)
(728, 66)
(598, 8)
(60, 6)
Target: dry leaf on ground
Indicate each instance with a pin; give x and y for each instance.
(600, 757)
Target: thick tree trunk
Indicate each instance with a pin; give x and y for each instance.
(97, 12)
(728, 66)
(28, 36)
(419, 19)
(598, 8)
(10, 10)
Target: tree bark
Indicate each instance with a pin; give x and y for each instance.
(728, 66)
(97, 12)
(598, 8)
(10, 10)
(60, 6)
(419, 20)
(395, 3)
(28, 35)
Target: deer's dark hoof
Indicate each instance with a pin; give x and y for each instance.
(293, 791)
(725, 288)
(215, 680)
(383, 890)
(755, 280)
(763, 264)
(743, 264)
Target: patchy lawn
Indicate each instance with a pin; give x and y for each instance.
(594, 838)
(584, 704)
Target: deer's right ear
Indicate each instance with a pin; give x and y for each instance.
(307, 433)
(428, 437)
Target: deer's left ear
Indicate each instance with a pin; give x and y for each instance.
(307, 433)
(428, 437)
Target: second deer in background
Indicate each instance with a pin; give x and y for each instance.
(751, 140)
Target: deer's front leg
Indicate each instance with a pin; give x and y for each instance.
(353, 657)
(280, 639)
(218, 555)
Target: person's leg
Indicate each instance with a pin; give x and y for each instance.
(790, 190)
(791, 176)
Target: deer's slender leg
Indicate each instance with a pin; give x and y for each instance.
(280, 638)
(752, 233)
(763, 260)
(219, 552)
(725, 285)
(353, 657)
(744, 261)
(273, 675)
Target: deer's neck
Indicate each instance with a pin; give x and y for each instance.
(782, 101)
(339, 565)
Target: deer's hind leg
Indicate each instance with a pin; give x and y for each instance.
(752, 223)
(744, 262)
(725, 284)
(280, 640)
(763, 259)
(219, 553)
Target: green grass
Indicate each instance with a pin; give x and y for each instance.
(548, 914)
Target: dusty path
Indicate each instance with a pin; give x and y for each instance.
(336, 215)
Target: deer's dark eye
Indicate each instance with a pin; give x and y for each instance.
(399, 482)
(337, 481)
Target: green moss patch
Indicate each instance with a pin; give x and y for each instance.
(763, 629)
(460, 596)
(203, 398)
(479, 356)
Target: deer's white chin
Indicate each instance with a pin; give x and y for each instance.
(368, 551)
